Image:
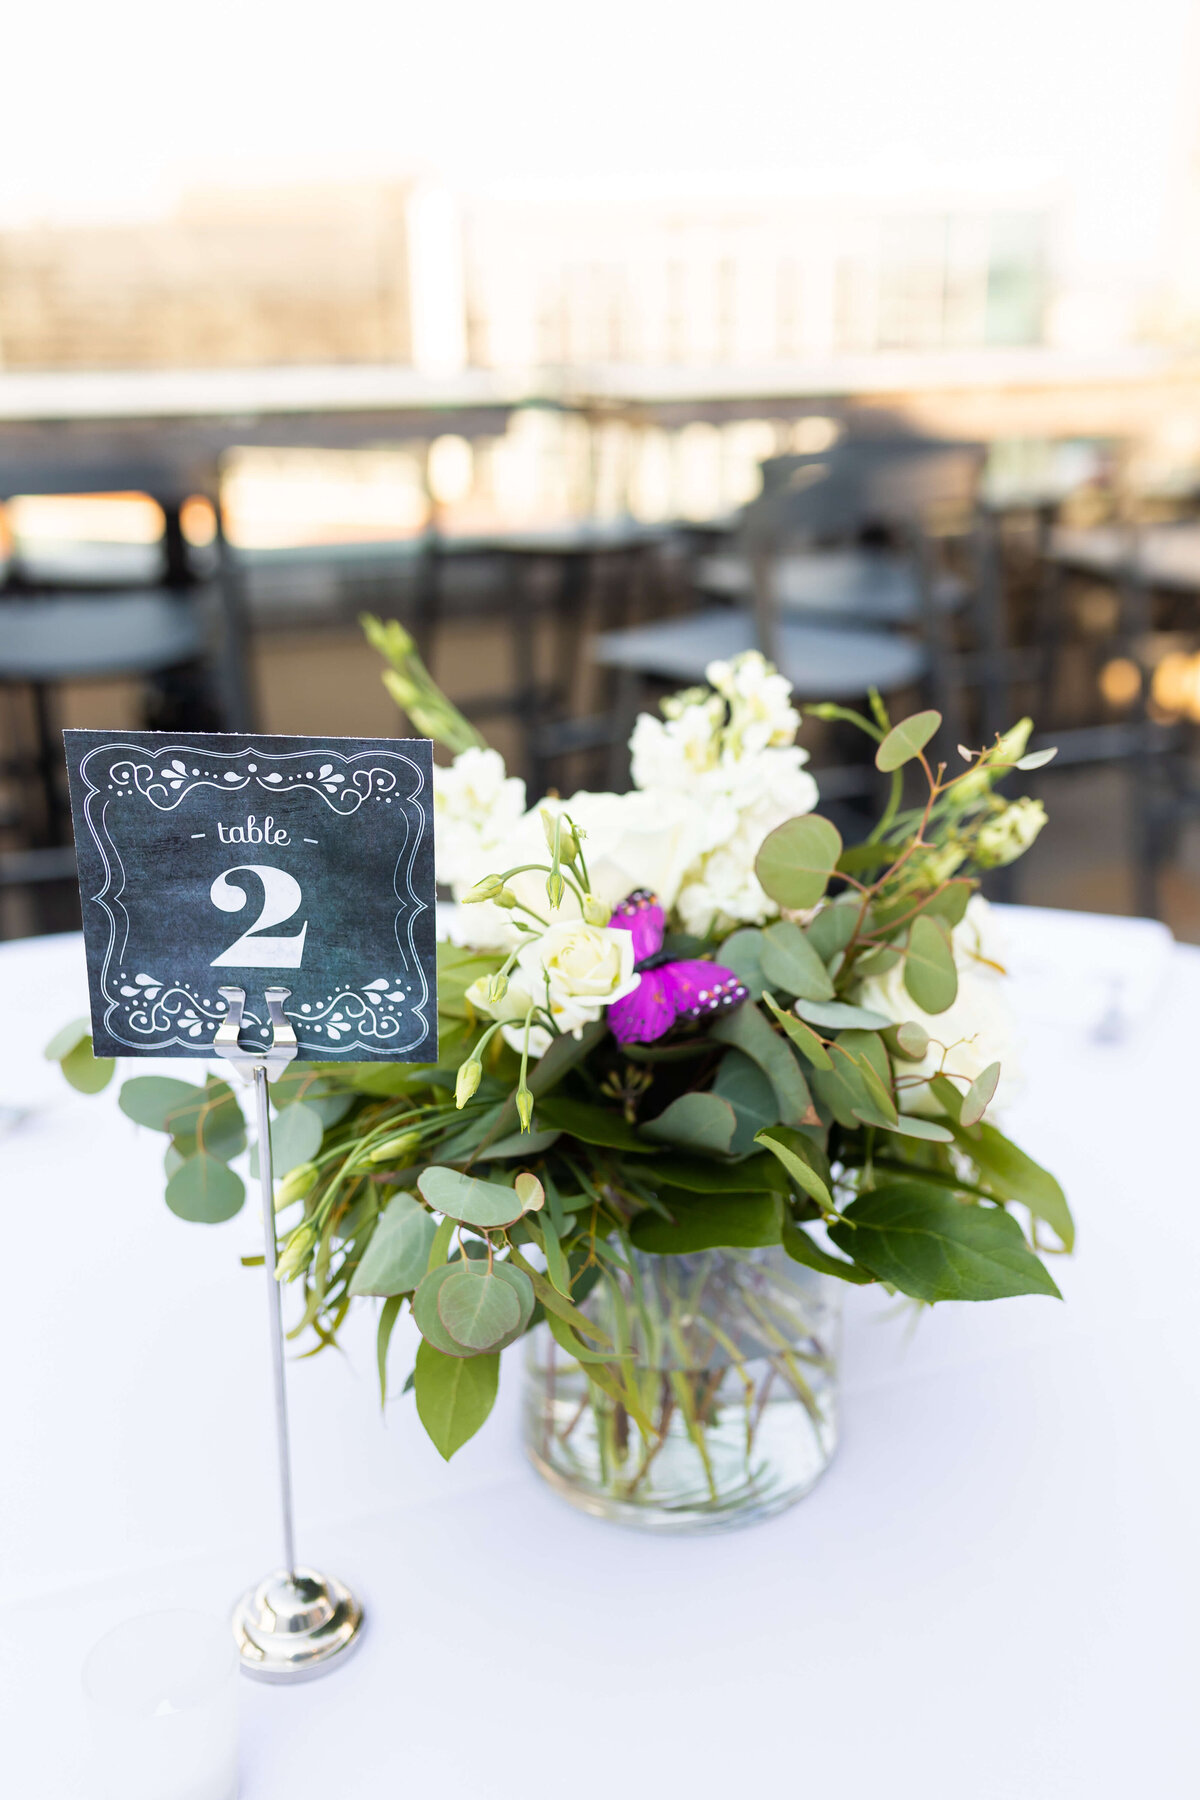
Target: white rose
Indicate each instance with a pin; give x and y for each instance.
(578, 969)
(977, 1030)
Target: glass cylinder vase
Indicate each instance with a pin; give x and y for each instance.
(720, 1407)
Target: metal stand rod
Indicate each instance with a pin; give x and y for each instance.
(275, 1313)
(296, 1622)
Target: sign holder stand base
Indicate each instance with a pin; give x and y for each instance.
(294, 1623)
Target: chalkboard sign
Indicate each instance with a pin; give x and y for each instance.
(211, 860)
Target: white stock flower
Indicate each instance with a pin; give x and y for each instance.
(977, 1030)
(760, 701)
(476, 808)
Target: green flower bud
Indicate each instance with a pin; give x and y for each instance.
(524, 1107)
(396, 1149)
(555, 888)
(296, 1253)
(505, 898)
(490, 888)
(1012, 744)
(495, 988)
(1010, 833)
(295, 1184)
(470, 1074)
(568, 843)
(595, 911)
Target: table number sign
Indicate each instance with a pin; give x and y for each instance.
(208, 860)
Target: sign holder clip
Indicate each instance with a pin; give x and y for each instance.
(295, 1622)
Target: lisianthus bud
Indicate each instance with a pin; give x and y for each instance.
(495, 988)
(296, 1253)
(524, 1107)
(470, 1074)
(568, 843)
(396, 1149)
(295, 1184)
(555, 888)
(595, 911)
(490, 888)
(505, 898)
(1010, 833)
(1012, 744)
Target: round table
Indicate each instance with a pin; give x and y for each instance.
(989, 1597)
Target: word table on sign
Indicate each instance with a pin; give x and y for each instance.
(211, 859)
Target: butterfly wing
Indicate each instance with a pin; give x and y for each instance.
(700, 990)
(644, 919)
(678, 990)
(645, 1014)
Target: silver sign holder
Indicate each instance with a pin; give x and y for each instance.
(294, 1623)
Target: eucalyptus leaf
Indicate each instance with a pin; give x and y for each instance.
(797, 859)
(791, 963)
(86, 1073)
(906, 740)
(700, 1175)
(696, 1121)
(69, 1038)
(397, 1257)
(911, 1125)
(708, 1222)
(930, 974)
(912, 1040)
(836, 1015)
(204, 1190)
(485, 1204)
(151, 1099)
(927, 1244)
(978, 1096)
(748, 1031)
(833, 927)
(389, 1313)
(743, 1084)
(478, 1309)
(454, 1396)
(798, 1167)
(1037, 759)
(806, 1041)
(742, 952)
(950, 902)
(296, 1134)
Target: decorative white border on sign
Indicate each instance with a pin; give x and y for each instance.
(384, 1014)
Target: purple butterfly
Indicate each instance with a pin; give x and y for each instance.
(668, 991)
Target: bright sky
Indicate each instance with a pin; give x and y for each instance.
(111, 109)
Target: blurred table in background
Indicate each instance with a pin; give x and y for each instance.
(989, 1597)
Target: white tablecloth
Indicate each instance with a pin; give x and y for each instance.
(991, 1596)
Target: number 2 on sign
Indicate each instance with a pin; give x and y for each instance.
(281, 898)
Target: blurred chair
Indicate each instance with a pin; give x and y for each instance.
(840, 582)
(181, 637)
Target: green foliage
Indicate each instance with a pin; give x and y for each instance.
(796, 1158)
(930, 974)
(796, 861)
(790, 963)
(707, 1221)
(978, 1096)
(590, 1124)
(454, 1396)
(748, 1031)
(295, 1137)
(806, 1041)
(742, 952)
(922, 1241)
(484, 1204)
(153, 1100)
(801, 1249)
(1011, 1175)
(478, 1309)
(398, 1254)
(204, 1191)
(745, 1087)
(86, 1073)
(697, 1121)
(69, 1038)
(838, 1016)
(906, 740)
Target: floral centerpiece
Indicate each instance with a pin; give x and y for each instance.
(700, 1065)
